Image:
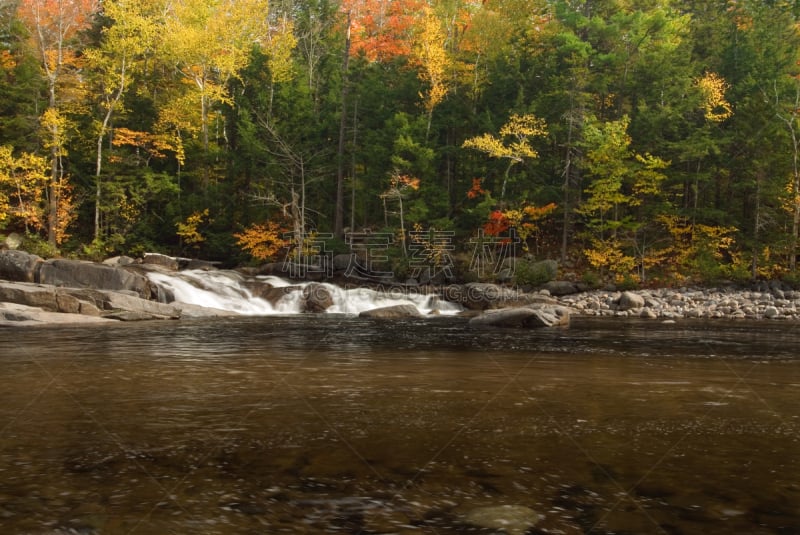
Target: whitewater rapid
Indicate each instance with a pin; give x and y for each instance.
(226, 290)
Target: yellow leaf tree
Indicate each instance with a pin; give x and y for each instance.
(23, 180)
(189, 230)
(514, 143)
(208, 42)
(282, 42)
(716, 108)
(430, 53)
(125, 44)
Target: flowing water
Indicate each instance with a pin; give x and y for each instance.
(336, 424)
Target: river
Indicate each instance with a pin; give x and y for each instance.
(335, 424)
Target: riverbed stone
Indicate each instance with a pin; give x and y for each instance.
(512, 519)
(648, 313)
(630, 300)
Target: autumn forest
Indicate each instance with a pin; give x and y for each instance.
(636, 141)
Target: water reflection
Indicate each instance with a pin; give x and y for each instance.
(309, 425)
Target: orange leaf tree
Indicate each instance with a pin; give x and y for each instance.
(55, 28)
(382, 29)
(262, 241)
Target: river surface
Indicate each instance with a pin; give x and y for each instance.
(330, 424)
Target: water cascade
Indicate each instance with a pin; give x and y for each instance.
(231, 291)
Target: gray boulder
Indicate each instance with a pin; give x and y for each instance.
(630, 301)
(119, 261)
(480, 295)
(31, 295)
(392, 312)
(561, 287)
(316, 298)
(18, 265)
(162, 260)
(523, 317)
(78, 274)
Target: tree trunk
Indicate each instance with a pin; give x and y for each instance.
(53, 186)
(99, 163)
(353, 170)
(796, 196)
(756, 225)
(338, 218)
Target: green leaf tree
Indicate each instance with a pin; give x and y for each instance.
(208, 42)
(127, 40)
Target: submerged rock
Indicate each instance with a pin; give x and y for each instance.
(513, 519)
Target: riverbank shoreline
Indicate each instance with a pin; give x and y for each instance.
(35, 292)
(658, 305)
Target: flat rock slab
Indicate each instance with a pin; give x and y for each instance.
(13, 315)
(392, 312)
(84, 301)
(523, 317)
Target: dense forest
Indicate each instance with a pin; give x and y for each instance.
(646, 141)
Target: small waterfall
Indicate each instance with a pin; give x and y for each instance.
(221, 290)
(232, 292)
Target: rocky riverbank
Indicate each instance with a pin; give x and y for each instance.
(34, 291)
(688, 303)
